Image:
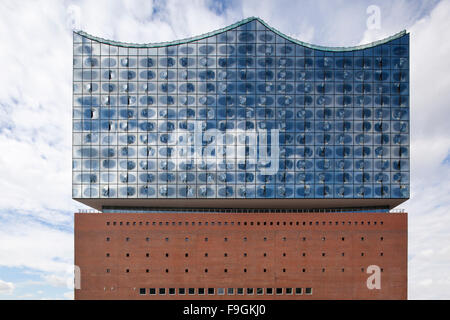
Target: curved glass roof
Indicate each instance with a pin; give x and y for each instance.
(236, 25)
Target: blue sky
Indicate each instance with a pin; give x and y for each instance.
(36, 209)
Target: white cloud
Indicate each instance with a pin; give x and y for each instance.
(69, 295)
(32, 245)
(6, 287)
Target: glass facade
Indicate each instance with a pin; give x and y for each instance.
(244, 112)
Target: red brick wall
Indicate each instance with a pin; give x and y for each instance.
(357, 241)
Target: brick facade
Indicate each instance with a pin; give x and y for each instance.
(318, 255)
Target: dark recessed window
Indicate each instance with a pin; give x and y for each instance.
(381, 239)
(343, 254)
(249, 290)
(265, 270)
(206, 254)
(225, 254)
(147, 239)
(181, 291)
(225, 239)
(245, 238)
(210, 291)
(191, 291)
(108, 270)
(323, 269)
(245, 254)
(206, 239)
(186, 255)
(167, 270)
(107, 223)
(108, 238)
(265, 254)
(147, 255)
(206, 270)
(186, 239)
(147, 270)
(127, 270)
(259, 291)
(167, 239)
(162, 291)
(240, 291)
(127, 239)
(127, 254)
(288, 290)
(284, 269)
(186, 270)
(308, 290)
(245, 269)
(298, 291)
(269, 290)
(265, 238)
(230, 291)
(107, 254)
(303, 270)
(284, 254)
(343, 238)
(167, 255)
(381, 253)
(362, 254)
(201, 291)
(225, 270)
(362, 238)
(171, 291)
(279, 291)
(152, 291)
(323, 238)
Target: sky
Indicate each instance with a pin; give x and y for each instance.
(36, 209)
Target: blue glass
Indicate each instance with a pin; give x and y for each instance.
(242, 113)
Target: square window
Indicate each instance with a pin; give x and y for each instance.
(210, 291)
(259, 291)
(162, 291)
(181, 291)
(230, 291)
(308, 290)
(240, 291)
(298, 291)
(220, 291)
(249, 290)
(191, 291)
(279, 291)
(152, 291)
(288, 290)
(171, 291)
(269, 290)
(201, 291)
(142, 291)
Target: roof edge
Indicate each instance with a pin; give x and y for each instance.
(234, 25)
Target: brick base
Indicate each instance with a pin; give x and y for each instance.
(318, 255)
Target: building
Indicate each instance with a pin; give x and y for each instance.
(241, 164)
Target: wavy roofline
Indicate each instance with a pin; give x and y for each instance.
(234, 25)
